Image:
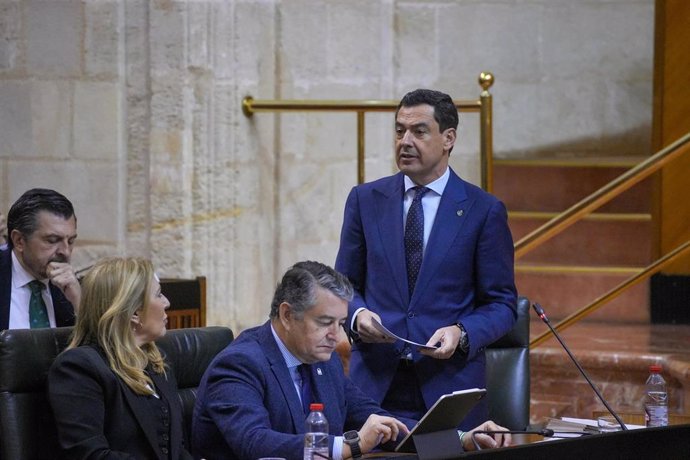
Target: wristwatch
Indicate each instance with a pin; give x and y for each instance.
(351, 438)
(464, 342)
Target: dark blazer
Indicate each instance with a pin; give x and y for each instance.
(64, 311)
(466, 276)
(98, 416)
(247, 406)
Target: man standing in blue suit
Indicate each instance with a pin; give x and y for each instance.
(38, 285)
(431, 257)
(254, 397)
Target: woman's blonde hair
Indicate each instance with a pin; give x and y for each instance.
(112, 292)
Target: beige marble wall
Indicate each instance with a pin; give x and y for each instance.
(132, 109)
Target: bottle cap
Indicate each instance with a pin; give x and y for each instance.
(655, 368)
(316, 406)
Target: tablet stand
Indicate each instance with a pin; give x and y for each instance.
(438, 445)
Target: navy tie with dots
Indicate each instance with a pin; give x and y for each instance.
(305, 376)
(414, 237)
(38, 313)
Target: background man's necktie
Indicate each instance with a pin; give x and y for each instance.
(414, 237)
(305, 374)
(38, 313)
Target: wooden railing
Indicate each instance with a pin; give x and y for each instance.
(595, 200)
(483, 105)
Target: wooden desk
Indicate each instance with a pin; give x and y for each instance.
(665, 442)
(517, 440)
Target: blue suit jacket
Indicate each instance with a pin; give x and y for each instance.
(466, 276)
(64, 311)
(247, 406)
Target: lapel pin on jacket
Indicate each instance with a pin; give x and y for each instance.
(460, 212)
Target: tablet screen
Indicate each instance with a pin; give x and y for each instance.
(446, 413)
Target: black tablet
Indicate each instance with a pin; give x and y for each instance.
(446, 413)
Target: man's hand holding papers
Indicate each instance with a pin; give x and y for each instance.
(392, 337)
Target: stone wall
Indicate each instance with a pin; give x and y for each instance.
(132, 108)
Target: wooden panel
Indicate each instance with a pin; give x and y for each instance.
(187, 302)
(671, 121)
(181, 319)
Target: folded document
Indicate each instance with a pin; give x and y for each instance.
(383, 330)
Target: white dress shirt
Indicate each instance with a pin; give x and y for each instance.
(292, 362)
(21, 295)
(430, 201)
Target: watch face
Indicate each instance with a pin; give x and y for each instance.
(351, 435)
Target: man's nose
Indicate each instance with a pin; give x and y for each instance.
(333, 331)
(65, 249)
(407, 137)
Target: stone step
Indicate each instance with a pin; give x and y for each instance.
(617, 360)
(563, 290)
(600, 239)
(554, 186)
(594, 255)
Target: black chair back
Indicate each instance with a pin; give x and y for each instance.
(27, 429)
(507, 373)
(188, 352)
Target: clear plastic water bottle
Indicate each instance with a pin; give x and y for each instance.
(656, 398)
(316, 434)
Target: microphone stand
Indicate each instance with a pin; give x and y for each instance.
(542, 315)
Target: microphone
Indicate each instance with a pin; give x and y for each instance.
(546, 432)
(81, 273)
(543, 317)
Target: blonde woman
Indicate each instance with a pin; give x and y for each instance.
(110, 392)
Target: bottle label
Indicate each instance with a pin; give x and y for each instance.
(316, 446)
(656, 415)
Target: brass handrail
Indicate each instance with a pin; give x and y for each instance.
(648, 271)
(596, 199)
(482, 105)
(602, 196)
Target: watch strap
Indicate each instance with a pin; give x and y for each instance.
(464, 342)
(353, 442)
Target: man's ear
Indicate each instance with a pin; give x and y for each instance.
(18, 240)
(285, 314)
(449, 137)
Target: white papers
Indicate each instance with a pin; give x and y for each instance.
(382, 329)
(595, 424)
(568, 427)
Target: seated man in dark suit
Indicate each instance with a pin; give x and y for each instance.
(38, 286)
(252, 401)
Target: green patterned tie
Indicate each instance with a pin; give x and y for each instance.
(38, 313)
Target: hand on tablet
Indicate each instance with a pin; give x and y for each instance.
(379, 429)
(487, 441)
